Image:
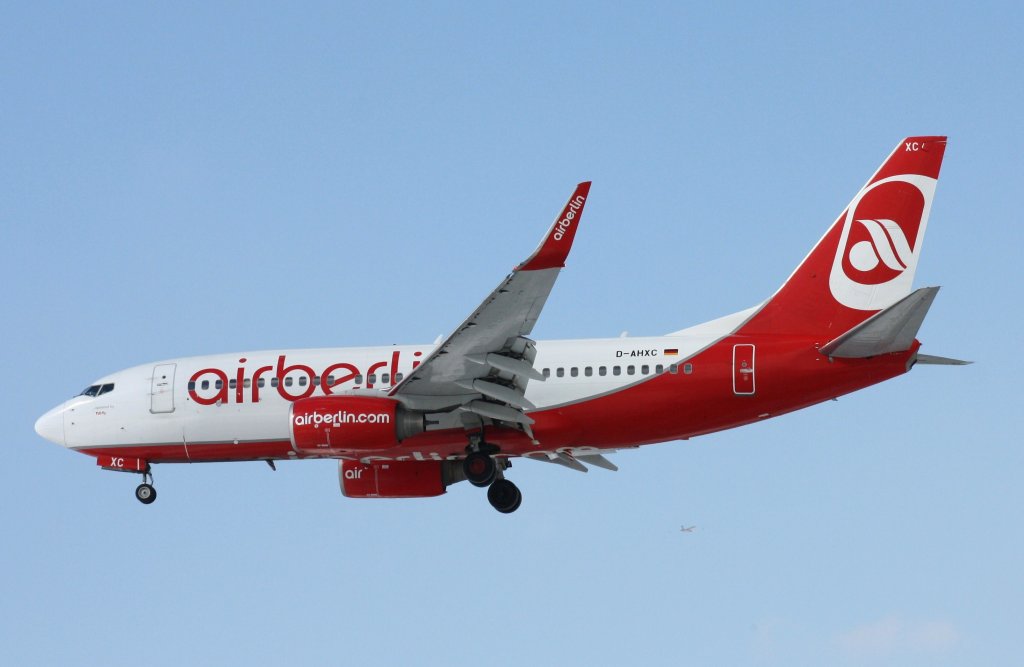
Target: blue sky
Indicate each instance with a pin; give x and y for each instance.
(185, 179)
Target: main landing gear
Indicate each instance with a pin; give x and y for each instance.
(504, 496)
(145, 492)
(481, 469)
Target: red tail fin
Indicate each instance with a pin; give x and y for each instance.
(867, 259)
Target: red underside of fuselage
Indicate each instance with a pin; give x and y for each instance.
(790, 374)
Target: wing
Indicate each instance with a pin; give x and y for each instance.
(483, 367)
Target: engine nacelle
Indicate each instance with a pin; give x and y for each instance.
(392, 479)
(350, 423)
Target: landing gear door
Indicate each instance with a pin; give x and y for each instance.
(743, 376)
(162, 393)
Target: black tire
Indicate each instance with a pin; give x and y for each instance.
(480, 469)
(504, 496)
(145, 493)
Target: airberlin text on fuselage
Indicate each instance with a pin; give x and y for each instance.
(246, 382)
(565, 222)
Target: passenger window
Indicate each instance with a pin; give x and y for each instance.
(192, 385)
(687, 368)
(288, 382)
(630, 370)
(616, 370)
(574, 371)
(330, 380)
(260, 383)
(302, 381)
(588, 371)
(398, 377)
(547, 372)
(273, 381)
(359, 379)
(659, 368)
(386, 378)
(560, 372)
(219, 384)
(231, 383)
(674, 368)
(371, 378)
(206, 384)
(247, 383)
(316, 380)
(602, 371)
(645, 369)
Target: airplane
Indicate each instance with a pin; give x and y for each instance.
(686, 529)
(408, 421)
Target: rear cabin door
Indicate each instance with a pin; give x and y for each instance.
(162, 394)
(743, 376)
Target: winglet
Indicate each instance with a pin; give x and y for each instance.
(553, 250)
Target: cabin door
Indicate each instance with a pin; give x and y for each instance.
(743, 376)
(162, 393)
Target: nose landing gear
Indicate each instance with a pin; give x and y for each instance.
(145, 492)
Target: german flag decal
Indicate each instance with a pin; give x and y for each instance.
(671, 352)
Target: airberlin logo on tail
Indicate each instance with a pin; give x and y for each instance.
(888, 245)
(563, 224)
(881, 241)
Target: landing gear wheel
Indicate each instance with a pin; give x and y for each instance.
(504, 496)
(480, 469)
(145, 493)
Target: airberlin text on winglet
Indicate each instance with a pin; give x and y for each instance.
(566, 221)
(555, 246)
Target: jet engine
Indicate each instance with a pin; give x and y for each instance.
(329, 424)
(394, 479)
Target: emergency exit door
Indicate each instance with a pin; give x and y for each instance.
(743, 375)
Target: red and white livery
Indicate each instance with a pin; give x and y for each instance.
(409, 420)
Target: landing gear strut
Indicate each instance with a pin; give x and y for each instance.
(145, 492)
(481, 469)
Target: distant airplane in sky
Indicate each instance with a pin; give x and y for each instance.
(686, 529)
(410, 420)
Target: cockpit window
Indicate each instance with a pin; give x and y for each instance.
(98, 389)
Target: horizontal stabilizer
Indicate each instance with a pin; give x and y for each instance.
(891, 330)
(931, 360)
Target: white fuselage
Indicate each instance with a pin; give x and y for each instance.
(246, 397)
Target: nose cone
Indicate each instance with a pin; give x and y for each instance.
(51, 425)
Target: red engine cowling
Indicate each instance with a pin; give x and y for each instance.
(392, 479)
(350, 423)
